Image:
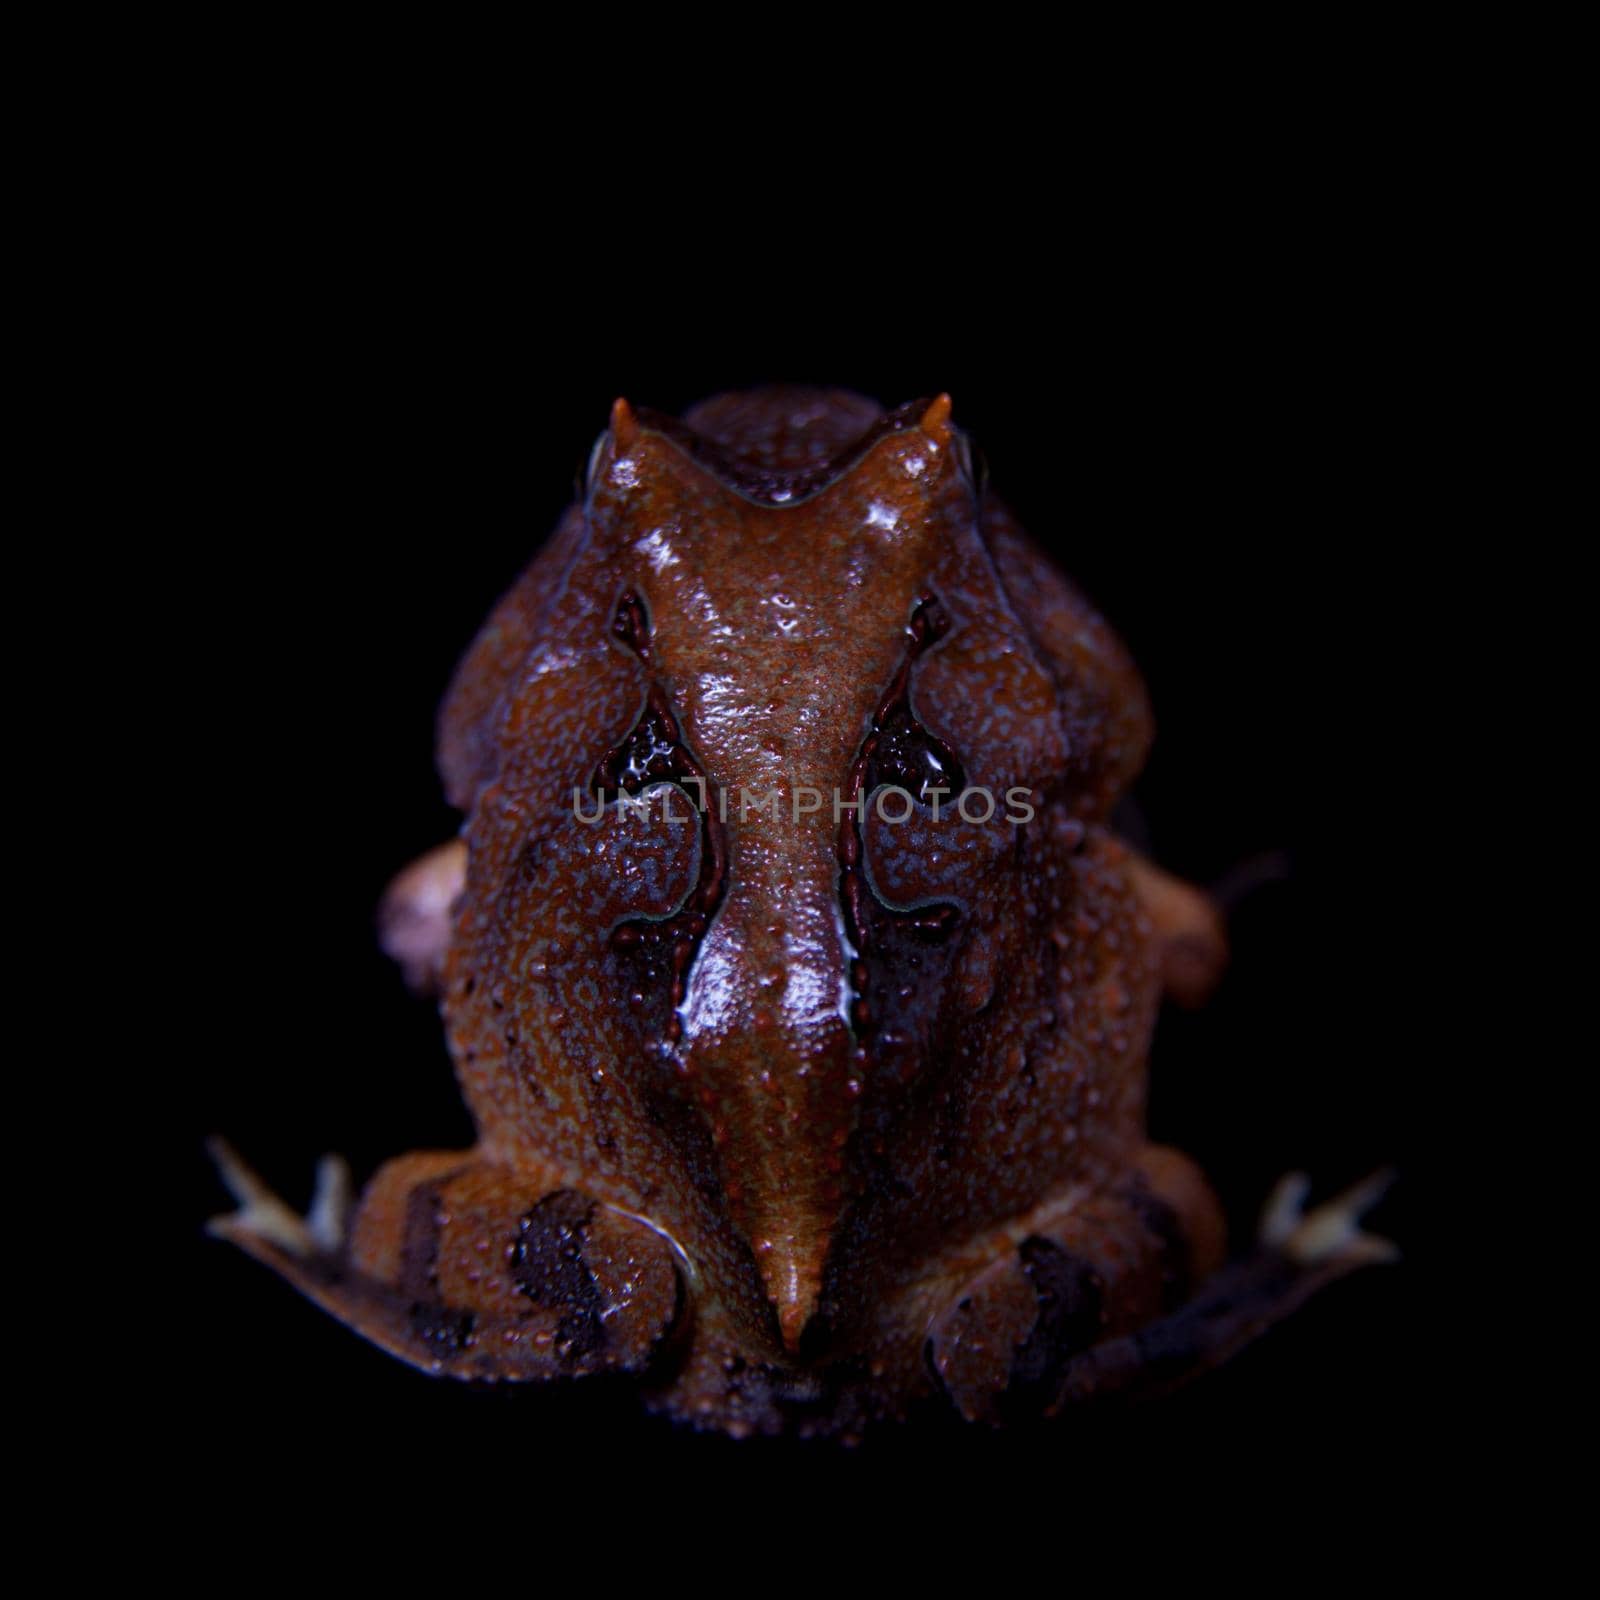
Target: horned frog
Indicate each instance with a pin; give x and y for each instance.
(798, 987)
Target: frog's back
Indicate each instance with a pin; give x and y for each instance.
(801, 1042)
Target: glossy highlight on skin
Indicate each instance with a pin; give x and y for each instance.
(803, 1120)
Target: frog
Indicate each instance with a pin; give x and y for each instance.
(797, 981)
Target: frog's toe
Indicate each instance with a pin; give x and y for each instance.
(1332, 1232)
(263, 1218)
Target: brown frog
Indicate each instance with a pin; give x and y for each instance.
(798, 988)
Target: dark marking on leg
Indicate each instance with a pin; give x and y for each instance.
(1162, 1223)
(548, 1266)
(1071, 1299)
(444, 1329)
(419, 1244)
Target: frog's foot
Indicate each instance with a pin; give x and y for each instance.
(1332, 1233)
(264, 1219)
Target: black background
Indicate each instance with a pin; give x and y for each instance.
(391, 428)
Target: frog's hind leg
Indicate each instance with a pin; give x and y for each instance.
(1119, 1295)
(1072, 1274)
(1297, 1254)
(469, 1267)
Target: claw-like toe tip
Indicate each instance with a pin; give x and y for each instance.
(262, 1216)
(1332, 1231)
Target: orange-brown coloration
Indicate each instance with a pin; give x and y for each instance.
(801, 1116)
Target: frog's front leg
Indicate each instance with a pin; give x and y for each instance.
(463, 1265)
(1191, 936)
(415, 915)
(1123, 1292)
